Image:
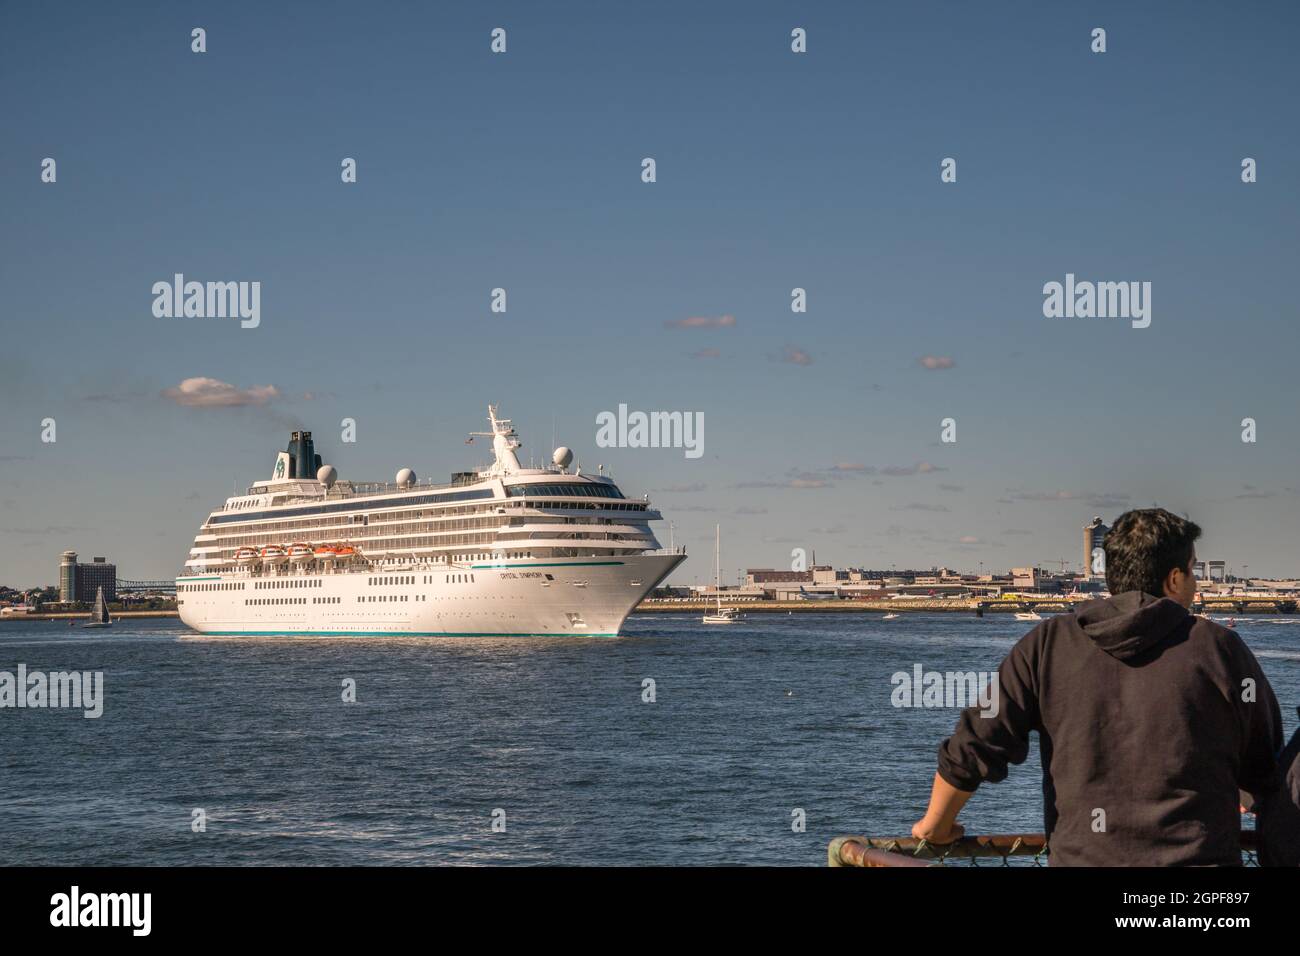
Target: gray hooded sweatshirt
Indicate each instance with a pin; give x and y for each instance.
(1149, 720)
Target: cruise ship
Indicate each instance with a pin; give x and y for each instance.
(506, 551)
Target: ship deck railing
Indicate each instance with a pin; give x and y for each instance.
(347, 487)
(292, 571)
(354, 488)
(359, 566)
(1015, 849)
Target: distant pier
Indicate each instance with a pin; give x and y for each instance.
(82, 615)
(937, 605)
(1054, 605)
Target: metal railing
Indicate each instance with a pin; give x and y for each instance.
(1029, 849)
(132, 587)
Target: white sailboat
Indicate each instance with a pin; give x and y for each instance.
(99, 616)
(723, 615)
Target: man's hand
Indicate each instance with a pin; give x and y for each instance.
(934, 831)
(939, 825)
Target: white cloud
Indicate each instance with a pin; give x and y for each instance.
(795, 355)
(702, 322)
(936, 362)
(212, 393)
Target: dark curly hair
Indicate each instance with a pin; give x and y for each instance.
(1144, 546)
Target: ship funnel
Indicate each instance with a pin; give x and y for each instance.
(303, 460)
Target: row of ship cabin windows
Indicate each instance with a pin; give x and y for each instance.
(425, 579)
(344, 522)
(570, 489)
(361, 599)
(315, 600)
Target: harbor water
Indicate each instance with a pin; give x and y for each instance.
(244, 751)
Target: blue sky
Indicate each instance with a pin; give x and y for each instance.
(775, 170)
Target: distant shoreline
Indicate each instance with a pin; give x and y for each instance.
(83, 615)
(836, 606)
(659, 606)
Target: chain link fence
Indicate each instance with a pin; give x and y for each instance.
(1024, 849)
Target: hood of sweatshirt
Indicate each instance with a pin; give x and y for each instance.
(1127, 624)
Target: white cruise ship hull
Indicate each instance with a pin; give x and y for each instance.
(544, 597)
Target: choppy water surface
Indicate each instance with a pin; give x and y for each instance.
(751, 722)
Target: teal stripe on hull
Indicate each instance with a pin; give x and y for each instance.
(396, 634)
(562, 564)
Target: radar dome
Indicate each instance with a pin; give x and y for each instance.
(562, 457)
(405, 478)
(326, 475)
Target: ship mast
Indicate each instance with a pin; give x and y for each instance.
(504, 443)
(717, 571)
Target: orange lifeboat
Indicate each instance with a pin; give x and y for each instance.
(274, 554)
(246, 555)
(300, 552)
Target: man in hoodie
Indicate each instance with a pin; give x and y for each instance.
(1149, 719)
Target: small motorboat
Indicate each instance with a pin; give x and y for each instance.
(1028, 616)
(889, 617)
